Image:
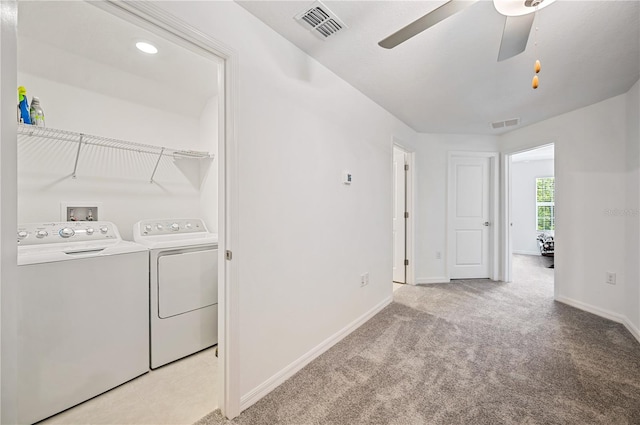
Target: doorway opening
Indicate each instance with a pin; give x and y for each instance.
(134, 109)
(403, 268)
(531, 216)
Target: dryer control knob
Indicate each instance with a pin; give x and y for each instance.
(104, 229)
(189, 226)
(41, 234)
(175, 227)
(90, 231)
(22, 234)
(159, 226)
(67, 232)
(147, 227)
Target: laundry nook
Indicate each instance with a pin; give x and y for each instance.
(117, 217)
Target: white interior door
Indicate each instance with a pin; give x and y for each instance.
(399, 222)
(469, 212)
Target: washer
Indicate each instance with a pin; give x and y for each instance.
(183, 282)
(83, 314)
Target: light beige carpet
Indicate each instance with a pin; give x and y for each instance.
(469, 352)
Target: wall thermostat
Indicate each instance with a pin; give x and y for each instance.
(346, 178)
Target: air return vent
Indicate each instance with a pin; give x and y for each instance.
(318, 19)
(506, 123)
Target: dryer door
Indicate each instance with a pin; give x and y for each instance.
(187, 281)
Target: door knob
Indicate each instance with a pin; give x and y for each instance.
(486, 223)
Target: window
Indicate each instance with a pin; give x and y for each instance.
(545, 203)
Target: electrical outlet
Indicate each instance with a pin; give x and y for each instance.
(364, 279)
(438, 255)
(611, 278)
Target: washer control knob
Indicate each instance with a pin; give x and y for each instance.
(175, 227)
(90, 231)
(41, 234)
(159, 226)
(22, 234)
(66, 232)
(147, 228)
(104, 230)
(188, 226)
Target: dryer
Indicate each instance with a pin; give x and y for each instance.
(83, 314)
(183, 283)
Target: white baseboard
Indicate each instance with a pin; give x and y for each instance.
(429, 280)
(631, 328)
(526, 252)
(270, 384)
(607, 314)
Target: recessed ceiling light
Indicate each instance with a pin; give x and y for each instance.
(147, 47)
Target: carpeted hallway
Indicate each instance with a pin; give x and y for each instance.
(468, 352)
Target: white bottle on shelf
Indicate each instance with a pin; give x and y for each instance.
(36, 112)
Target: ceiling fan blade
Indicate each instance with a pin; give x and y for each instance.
(515, 35)
(430, 19)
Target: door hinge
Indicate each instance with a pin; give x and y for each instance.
(406, 262)
(228, 255)
(406, 214)
(406, 167)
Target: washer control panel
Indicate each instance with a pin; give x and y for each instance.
(170, 226)
(70, 231)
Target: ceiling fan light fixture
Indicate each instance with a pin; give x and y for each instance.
(519, 7)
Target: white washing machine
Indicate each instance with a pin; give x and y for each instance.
(183, 282)
(83, 314)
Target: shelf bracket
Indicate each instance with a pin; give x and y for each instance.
(75, 166)
(157, 163)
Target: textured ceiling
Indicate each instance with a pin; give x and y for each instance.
(76, 43)
(447, 79)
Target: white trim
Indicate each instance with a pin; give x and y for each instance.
(150, 16)
(411, 246)
(507, 224)
(523, 252)
(494, 210)
(410, 205)
(631, 328)
(607, 314)
(270, 384)
(8, 211)
(431, 280)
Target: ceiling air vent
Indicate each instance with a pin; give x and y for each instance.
(507, 123)
(318, 19)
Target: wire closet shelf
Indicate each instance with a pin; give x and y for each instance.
(44, 133)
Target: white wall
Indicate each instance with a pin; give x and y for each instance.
(632, 210)
(305, 238)
(119, 179)
(431, 158)
(8, 221)
(590, 146)
(523, 203)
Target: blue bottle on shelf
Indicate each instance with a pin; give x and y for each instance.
(23, 106)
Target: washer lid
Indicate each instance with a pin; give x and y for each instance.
(36, 254)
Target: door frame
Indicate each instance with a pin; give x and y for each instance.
(494, 209)
(410, 270)
(149, 16)
(507, 210)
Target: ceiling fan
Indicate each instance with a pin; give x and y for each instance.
(518, 14)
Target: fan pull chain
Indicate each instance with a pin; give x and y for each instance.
(536, 66)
